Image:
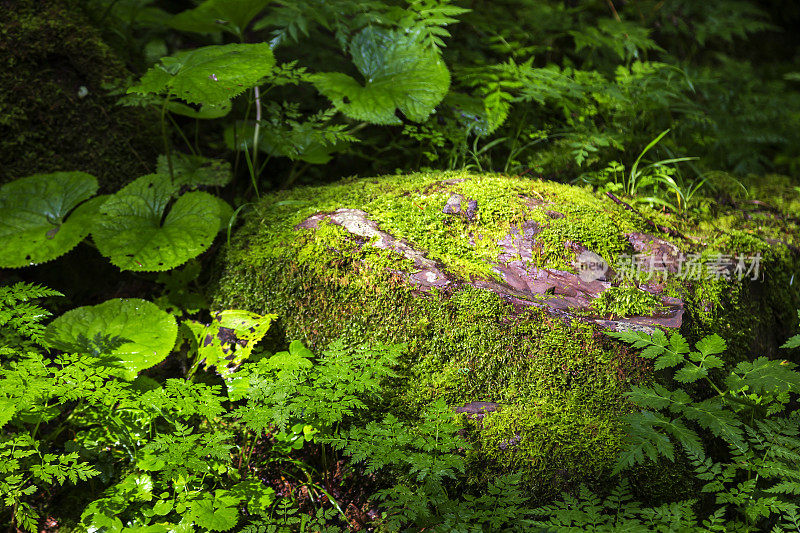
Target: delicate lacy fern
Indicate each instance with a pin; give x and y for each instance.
(34, 391)
(285, 518)
(429, 18)
(290, 386)
(426, 453)
(760, 477)
(617, 512)
(19, 316)
(760, 388)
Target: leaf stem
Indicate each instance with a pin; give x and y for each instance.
(257, 96)
(167, 151)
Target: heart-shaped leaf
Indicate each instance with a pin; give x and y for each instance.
(399, 73)
(134, 233)
(39, 220)
(208, 75)
(135, 332)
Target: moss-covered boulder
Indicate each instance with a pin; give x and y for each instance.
(54, 112)
(493, 282)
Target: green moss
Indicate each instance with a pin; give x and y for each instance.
(626, 301)
(411, 207)
(467, 346)
(48, 51)
(561, 385)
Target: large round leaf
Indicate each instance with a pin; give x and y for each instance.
(208, 75)
(134, 234)
(134, 332)
(38, 216)
(400, 73)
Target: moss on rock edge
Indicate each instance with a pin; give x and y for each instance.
(306, 255)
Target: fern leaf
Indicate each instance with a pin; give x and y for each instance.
(711, 345)
(711, 415)
(764, 376)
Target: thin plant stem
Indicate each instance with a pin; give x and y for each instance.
(252, 172)
(257, 126)
(167, 151)
(183, 135)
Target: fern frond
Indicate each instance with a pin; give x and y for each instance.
(21, 317)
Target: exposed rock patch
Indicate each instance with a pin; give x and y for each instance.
(560, 292)
(355, 221)
(478, 410)
(455, 206)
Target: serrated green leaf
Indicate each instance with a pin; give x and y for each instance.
(196, 171)
(711, 415)
(652, 351)
(668, 359)
(793, 342)
(131, 234)
(690, 373)
(688, 438)
(678, 344)
(298, 357)
(711, 345)
(7, 410)
(638, 339)
(38, 216)
(147, 333)
(765, 376)
(212, 16)
(208, 75)
(399, 73)
(211, 516)
(785, 487)
(645, 440)
(656, 397)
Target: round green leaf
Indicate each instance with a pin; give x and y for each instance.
(399, 73)
(38, 216)
(135, 332)
(208, 75)
(134, 234)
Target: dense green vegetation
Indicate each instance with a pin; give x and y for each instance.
(175, 358)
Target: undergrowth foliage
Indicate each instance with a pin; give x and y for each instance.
(155, 413)
(738, 428)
